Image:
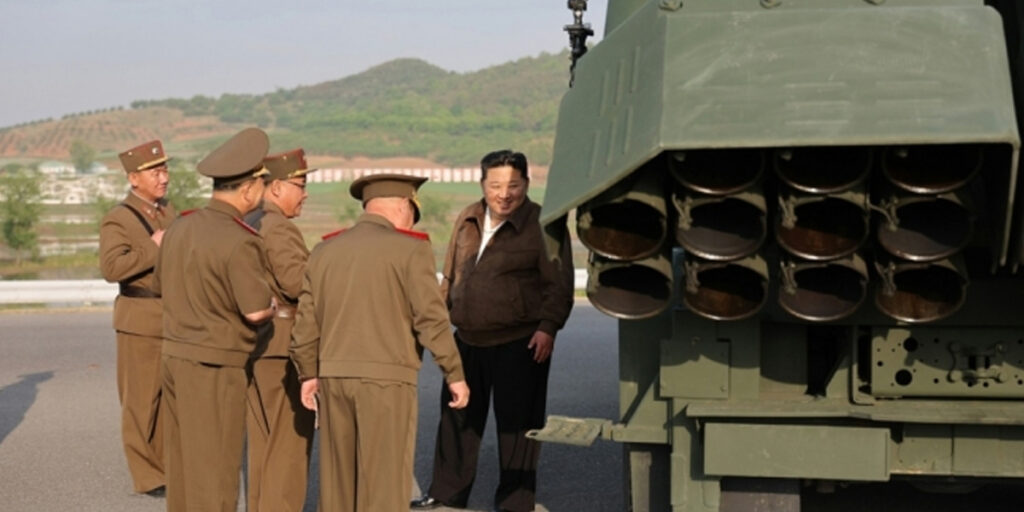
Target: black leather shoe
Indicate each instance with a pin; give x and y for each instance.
(425, 502)
(159, 492)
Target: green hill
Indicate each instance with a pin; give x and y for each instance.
(404, 107)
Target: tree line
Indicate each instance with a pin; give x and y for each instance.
(406, 107)
(21, 202)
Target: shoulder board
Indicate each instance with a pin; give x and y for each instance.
(415, 234)
(333, 234)
(247, 227)
(188, 212)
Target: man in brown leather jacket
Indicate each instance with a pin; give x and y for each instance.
(369, 306)
(507, 300)
(130, 236)
(279, 429)
(212, 274)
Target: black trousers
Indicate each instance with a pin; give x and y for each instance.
(519, 386)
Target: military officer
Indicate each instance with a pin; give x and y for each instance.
(130, 236)
(279, 428)
(211, 272)
(369, 305)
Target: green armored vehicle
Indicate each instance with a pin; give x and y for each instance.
(806, 215)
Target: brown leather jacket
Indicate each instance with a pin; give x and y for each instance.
(515, 289)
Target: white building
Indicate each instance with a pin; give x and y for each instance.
(57, 168)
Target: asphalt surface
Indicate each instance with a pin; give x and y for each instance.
(60, 435)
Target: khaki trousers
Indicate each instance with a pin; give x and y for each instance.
(204, 429)
(280, 437)
(138, 390)
(367, 443)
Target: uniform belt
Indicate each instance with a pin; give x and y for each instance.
(286, 311)
(137, 292)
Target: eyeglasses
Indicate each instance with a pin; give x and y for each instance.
(300, 185)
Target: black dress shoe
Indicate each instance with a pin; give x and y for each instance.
(159, 492)
(425, 502)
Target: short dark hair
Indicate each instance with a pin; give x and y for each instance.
(501, 158)
(232, 183)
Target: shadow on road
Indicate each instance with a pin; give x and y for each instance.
(17, 398)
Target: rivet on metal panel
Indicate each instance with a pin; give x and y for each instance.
(671, 5)
(768, 4)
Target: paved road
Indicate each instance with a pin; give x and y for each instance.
(60, 450)
(59, 430)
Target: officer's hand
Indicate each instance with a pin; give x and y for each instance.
(157, 237)
(460, 394)
(309, 389)
(542, 344)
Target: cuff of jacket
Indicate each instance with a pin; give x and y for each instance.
(548, 327)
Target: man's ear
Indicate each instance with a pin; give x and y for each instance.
(133, 178)
(248, 188)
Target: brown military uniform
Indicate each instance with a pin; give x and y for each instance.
(127, 256)
(207, 347)
(280, 429)
(212, 272)
(369, 305)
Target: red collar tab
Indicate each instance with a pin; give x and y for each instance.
(415, 234)
(247, 227)
(189, 212)
(333, 234)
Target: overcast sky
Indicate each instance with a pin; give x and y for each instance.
(66, 56)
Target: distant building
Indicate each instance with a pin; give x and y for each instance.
(81, 189)
(57, 168)
(97, 168)
(447, 175)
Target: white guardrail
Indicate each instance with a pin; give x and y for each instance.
(95, 291)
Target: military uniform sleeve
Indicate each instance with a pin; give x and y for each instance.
(122, 257)
(430, 315)
(247, 275)
(557, 277)
(287, 254)
(305, 346)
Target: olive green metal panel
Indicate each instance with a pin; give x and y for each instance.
(947, 362)
(924, 450)
(783, 361)
(988, 451)
(744, 358)
(643, 412)
(609, 122)
(568, 430)
(834, 76)
(675, 79)
(692, 489)
(695, 360)
(958, 450)
(888, 411)
(796, 451)
(618, 11)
